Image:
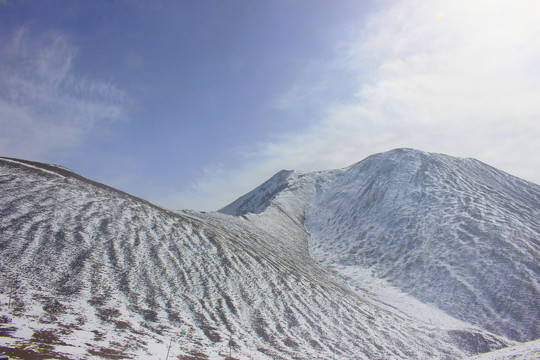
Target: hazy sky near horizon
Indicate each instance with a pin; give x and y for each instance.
(190, 104)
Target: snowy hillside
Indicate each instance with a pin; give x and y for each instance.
(91, 272)
(259, 199)
(454, 234)
(526, 351)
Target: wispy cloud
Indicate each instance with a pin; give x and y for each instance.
(45, 105)
(459, 77)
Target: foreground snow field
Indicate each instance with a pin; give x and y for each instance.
(405, 255)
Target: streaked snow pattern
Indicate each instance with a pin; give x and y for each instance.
(93, 272)
(526, 351)
(451, 232)
(454, 233)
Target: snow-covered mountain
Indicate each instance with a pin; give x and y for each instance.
(366, 262)
(450, 232)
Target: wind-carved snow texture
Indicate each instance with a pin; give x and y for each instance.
(90, 271)
(456, 234)
(526, 351)
(452, 232)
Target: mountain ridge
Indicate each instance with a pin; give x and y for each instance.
(360, 209)
(99, 268)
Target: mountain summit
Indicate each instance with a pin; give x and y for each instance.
(403, 255)
(451, 232)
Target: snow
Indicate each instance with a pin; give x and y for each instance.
(451, 232)
(525, 351)
(455, 235)
(278, 270)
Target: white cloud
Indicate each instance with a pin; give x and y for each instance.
(458, 77)
(45, 106)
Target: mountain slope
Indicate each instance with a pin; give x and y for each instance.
(451, 232)
(526, 351)
(454, 233)
(91, 272)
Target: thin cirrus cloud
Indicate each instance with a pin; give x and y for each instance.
(457, 77)
(45, 106)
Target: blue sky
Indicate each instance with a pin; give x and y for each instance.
(190, 104)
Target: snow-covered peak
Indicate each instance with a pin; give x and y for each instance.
(452, 232)
(257, 200)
